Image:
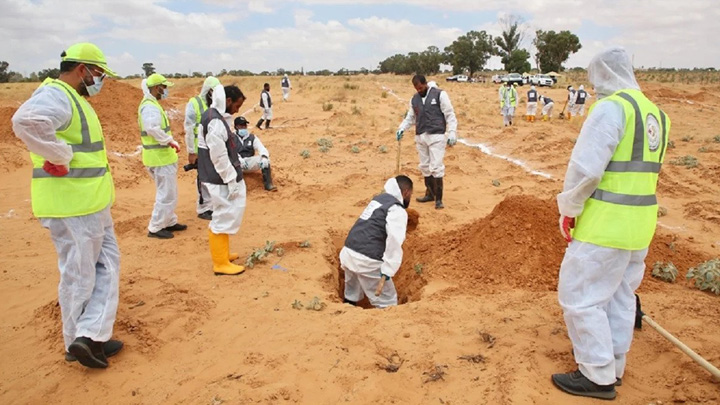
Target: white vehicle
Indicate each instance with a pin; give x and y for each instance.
(457, 78)
(541, 80)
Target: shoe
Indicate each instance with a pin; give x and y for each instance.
(439, 193)
(267, 179)
(88, 352)
(110, 348)
(618, 382)
(220, 253)
(161, 234)
(429, 190)
(576, 383)
(176, 227)
(207, 215)
(347, 301)
(267, 124)
(258, 126)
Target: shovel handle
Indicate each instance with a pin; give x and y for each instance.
(397, 163)
(680, 345)
(380, 286)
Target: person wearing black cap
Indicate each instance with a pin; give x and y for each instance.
(253, 154)
(266, 105)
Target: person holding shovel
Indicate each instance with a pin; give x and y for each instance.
(609, 199)
(433, 115)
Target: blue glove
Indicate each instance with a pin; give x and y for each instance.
(399, 134)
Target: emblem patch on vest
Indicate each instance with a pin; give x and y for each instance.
(652, 131)
(433, 102)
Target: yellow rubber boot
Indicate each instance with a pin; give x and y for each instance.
(220, 253)
(233, 256)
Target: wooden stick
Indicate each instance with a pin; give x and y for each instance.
(397, 166)
(380, 286)
(680, 345)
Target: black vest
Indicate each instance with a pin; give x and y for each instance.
(532, 96)
(206, 169)
(245, 148)
(581, 95)
(548, 100)
(368, 236)
(429, 118)
(262, 103)
(285, 82)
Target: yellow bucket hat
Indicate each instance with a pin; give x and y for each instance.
(156, 78)
(86, 52)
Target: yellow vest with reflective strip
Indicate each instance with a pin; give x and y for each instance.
(622, 212)
(88, 187)
(513, 96)
(200, 106)
(154, 154)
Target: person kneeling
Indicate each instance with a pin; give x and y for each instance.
(253, 154)
(373, 248)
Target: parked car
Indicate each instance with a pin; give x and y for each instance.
(497, 78)
(541, 80)
(457, 78)
(513, 78)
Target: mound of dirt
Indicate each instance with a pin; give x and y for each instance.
(6, 132)
(413, 219)
(116, 105)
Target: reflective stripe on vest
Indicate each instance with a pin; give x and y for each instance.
(200, 108)
(622, 212)
(153, 153)
(88, 187)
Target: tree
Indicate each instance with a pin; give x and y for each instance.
(148, 68)
(517, 61)
(45, 73)
(553, 49)
(510, 40)
(470, 51)
(4, 74)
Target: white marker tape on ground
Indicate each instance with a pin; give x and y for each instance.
(672, 228)
(486, 149)
(251, 108)
(138, 150)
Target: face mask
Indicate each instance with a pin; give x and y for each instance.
(165, 93)
(94, 88)
(242, 132)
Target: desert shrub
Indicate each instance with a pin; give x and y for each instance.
(327, 106)
(702, 149)
(706, 276)
(496, 183)
(349, 86)
(325, 142)
(305, 153)
(259, 255)
(665, 271)
(324, 149)
(716, 139)
(418, 268)
(687, 138)
(384, 95)
(662, 211)
(356, 111)
(687, 161)
(355, 149)
(671, 145)
(383, 149)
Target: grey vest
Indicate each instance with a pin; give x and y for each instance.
(285, 82)
(206, 169)
(429, 118)
(368, 236)
(262, 103)
(547, 100)
(581, 95)
(532, 96)
(245, 148)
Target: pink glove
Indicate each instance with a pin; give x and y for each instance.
(55, 170)
(175, 146)
(566, 223)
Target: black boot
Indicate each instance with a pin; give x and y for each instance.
(439, 194)
(88, 352)
(429, 190)
(267, 124)
(259, 124)
(576, 383)
(267, 179)
(110, 348)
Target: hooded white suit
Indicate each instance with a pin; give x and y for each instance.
(597, 284)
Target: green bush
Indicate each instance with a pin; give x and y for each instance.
(687, 161)
(349, 86)
(325, 142)
(305, 153)
(327, 106)
(383, 149)
(384, 95)
(355, 149)
(706, 276)
(687, 138)
(665, 271)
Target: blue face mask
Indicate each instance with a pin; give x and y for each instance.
(242, 132)
(165, 93)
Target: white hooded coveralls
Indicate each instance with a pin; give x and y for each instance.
(203, 200)
(286, 90)
(260, 160)
(362, 274)
(547, 107)
(597, 284)
(532, 105)
(227, 214)
(88, 253)
(165, 177)
(267, 114)
(431, 147)
(579, 109)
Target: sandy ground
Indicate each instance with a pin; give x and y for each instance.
(480, 321)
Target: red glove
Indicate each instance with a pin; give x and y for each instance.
(175, 146)
(566, 223)
(55, 170)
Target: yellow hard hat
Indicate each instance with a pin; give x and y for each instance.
(86, 52)
(156, 78)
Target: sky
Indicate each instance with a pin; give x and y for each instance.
(209, 35)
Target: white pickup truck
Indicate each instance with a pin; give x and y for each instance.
(541, 80)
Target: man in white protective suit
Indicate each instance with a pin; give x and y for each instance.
(220, 171)
(572, 94)
(581, 98)
(159, 155)
(266, 105)
(253, 154)
(508, 102)
(433, 115)
(548, 105)
(196, 106)
(72, 191)
(609, 199)
(532, 100)
(373, 248)
(286, 86)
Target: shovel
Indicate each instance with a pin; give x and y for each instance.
(640, 316)
(562, 113)
(397, 165)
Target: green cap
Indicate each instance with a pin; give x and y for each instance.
(86, 52)
(156, 78)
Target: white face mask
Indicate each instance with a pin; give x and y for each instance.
(94, 88)
(165, 93)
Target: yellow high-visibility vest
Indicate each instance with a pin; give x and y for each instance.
(154, 154)
(622, 212)
(200, 106)
(88, 187)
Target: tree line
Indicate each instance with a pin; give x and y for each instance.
(471, 52)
